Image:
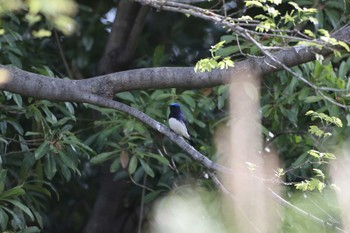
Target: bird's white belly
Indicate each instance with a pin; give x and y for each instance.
(178, 127)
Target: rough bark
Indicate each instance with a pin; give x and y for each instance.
(124, 36)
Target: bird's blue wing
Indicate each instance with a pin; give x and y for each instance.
(183, 119)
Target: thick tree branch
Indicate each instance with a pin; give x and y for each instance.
(42, 87)
(35, 86)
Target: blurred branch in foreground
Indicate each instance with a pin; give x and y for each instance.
(252, 208)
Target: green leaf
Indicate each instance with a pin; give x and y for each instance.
(320, 186)
(88, 41)
(159, 95)
(50, 117)
(42, 150)
(152, 195)
(18, 100)
(229, 50)
(200, 123)
(115, 165)
(253, 3)
(301, 159)
(216, 47)
(336, 121)
(245, 17)
(303, 186)
(322, 116)
(309, 33)
(14, 60)
(225, 64)
(344, 45)
(66, 172)
(132, 164)
(147, 168)
(24, 208)
(314, 153)
(4, 219)
(17, 219)
(41, 33)
(313, 20)
(67, 161)
(329, 156)
(13, 192)
(273, 12)
(313, 99)
(28, 133)
(296, 6)
(206, 64)
(38, 188)
(3, 173)
(16, 50)
(100, 158)
(50, 166)
(313, 129)
(33, 229)
(126, 96)
(324, 32)
(32, 18)
(15, 125)
(277, 2)
(38, 218)
(188, 99)
(70, 107)
(158, 55)
(228, 38)
(160, 158)
(319, 173)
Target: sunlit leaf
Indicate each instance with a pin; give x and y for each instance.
(41, 33)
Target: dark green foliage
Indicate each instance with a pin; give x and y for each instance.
(50, 152)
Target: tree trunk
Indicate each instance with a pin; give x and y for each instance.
(111, 213)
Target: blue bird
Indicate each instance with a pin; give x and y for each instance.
(178, 123)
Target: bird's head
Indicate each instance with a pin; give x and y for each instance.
(174, 107)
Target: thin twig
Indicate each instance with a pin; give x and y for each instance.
(218, 183)
(140, 185)
(281, 201)
(286, 203)
(142, 205)
(333, 101)
(245, 33)
(62, 55)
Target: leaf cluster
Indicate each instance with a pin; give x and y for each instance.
(33, 155)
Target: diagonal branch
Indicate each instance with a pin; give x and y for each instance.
(180, 141)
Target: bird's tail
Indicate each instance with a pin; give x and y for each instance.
(192, 143)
